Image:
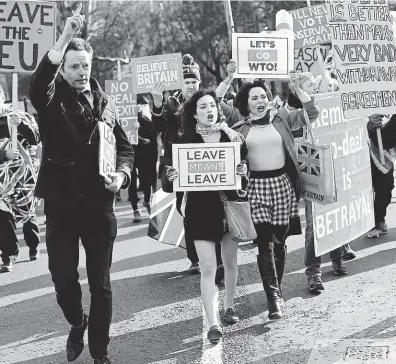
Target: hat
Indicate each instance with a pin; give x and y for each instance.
(190, 68)
(141, 100)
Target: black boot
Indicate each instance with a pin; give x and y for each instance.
(266, 264)
(280, 259)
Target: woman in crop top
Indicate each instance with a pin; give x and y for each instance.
(275, 179)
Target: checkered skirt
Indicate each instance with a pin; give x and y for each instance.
(272, 200)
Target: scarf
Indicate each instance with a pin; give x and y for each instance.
(217, 128)
(270, 111)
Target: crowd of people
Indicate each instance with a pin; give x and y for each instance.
(79, 204)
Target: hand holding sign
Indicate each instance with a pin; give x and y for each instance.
(171, 174)
(117, 181)
(15, 119)
(74, 23)
(12, 154)
(231, 69)
(375, 121)
(241, 169)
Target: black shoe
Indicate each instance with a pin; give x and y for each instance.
(315, 283)
(219, 274)
(339, 269)
(75, 341)
(230, 317)
(137, 217)
(34, 254)
(349, 254)
(104, 360)
(215, 334)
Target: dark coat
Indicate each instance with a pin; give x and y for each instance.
(69, 172)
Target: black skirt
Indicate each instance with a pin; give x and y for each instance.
(204, 216)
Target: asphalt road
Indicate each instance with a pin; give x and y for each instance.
(158, 313)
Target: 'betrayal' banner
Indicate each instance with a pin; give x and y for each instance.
(353, 214)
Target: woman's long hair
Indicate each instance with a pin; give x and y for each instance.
(189, 109)
(241, 100)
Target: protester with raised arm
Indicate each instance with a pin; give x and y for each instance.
(78, 203)
(274, 183)
(313, 263)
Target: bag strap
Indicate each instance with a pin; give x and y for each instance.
(245, 130)
(308, 128)
(223, 197)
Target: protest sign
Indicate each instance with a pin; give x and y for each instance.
(306, 59)
(107, 151)
(209, 167)
(267, 54)
(125, 100)
(310, 26)
(364, 54)
(147, 71)
(353, 214)
(27, 32)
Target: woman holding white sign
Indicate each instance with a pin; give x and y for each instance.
(204, 210)
(275, 179)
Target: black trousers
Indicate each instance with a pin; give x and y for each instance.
(31, 233)
(97, 230)
(383, 185)
(147, 177)
(8, 237)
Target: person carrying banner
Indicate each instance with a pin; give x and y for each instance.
(146, 155)
(17, 182)
(275, 183)
(204, 213)
(313, 263)
(382, 175)
(166, 120)
(78, 203)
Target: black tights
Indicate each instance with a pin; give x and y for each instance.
(266, 234)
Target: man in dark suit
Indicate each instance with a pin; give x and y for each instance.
(78, 201)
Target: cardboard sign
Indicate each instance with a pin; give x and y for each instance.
(266, 55)
(107, 151)
(353, 214)
(208, 167)
(125, 100)
(27, 32)
(147, 71)
(310, 26)
(365, 55)
(306, 59)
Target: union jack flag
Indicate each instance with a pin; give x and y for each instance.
(166, 224)
(309, 159)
